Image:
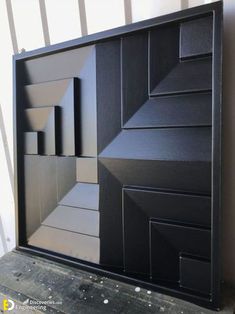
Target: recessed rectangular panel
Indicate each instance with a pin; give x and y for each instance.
(134, 69)
(172, 207)
(168, 241)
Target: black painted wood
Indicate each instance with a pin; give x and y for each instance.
(144, 102)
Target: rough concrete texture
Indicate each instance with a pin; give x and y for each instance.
(25, 278)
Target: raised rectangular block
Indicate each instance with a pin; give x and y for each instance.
(87, 170)
(83, 195)
(195, 274)
(61, 94)
(33, 143)
(74, 219)
(196, 37)
(168, 241)
(67, 243)
(46, 120)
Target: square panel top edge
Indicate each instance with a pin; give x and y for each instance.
(122, 30)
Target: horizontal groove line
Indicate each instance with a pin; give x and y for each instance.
(167, 127)
(166, 191)
(85, 234)
(196, 57)
(92, 209)
(180, 224)
(180, 93)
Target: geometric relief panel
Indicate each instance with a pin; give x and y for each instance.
(118, 150)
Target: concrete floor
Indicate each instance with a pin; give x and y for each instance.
(25, 279)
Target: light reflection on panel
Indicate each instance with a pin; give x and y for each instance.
(104, 14)
(28, 24)
(63, 20)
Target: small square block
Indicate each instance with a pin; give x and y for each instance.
(87, 170)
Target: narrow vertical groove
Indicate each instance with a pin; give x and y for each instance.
(184, 4)
(83, 18)
(45, 28)
(128, 11)
(12, 26)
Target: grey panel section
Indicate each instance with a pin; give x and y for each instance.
(195, 274)
(63, 95)
(83, 195)
(78, 63)
(74, 219)
(187, 76)
(140, 206)
(37, 118)
(108, 74)
(88, 110)
(181, 110)
(173, 176)
(196, 37)
(48, 184)
(87, 170)
(134, 73)
(32, 193)
(32, 143)
(168, 241)
(163, 144)
(163, 54)
(57, 65)
(190, 209)
(67, 243)
(66, 175)
(48, 179)
(69, 105)
(47, 121)
(46, 94)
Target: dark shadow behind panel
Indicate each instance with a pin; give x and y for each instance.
(118, 152)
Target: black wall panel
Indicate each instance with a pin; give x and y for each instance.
(118, 152)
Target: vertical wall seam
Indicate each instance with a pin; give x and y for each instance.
(44, 20)
(7, 151)
(184, 4)
(83, 17)
(12, 26)
(128, 11)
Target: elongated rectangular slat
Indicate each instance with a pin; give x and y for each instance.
(187, 76)
(180, 110)
(67, 243)
(83, 195)
(33, 143)
(74, 219)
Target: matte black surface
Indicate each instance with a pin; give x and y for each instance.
(143, 104)
(190, 43)
(199, 279)
(171, 240)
